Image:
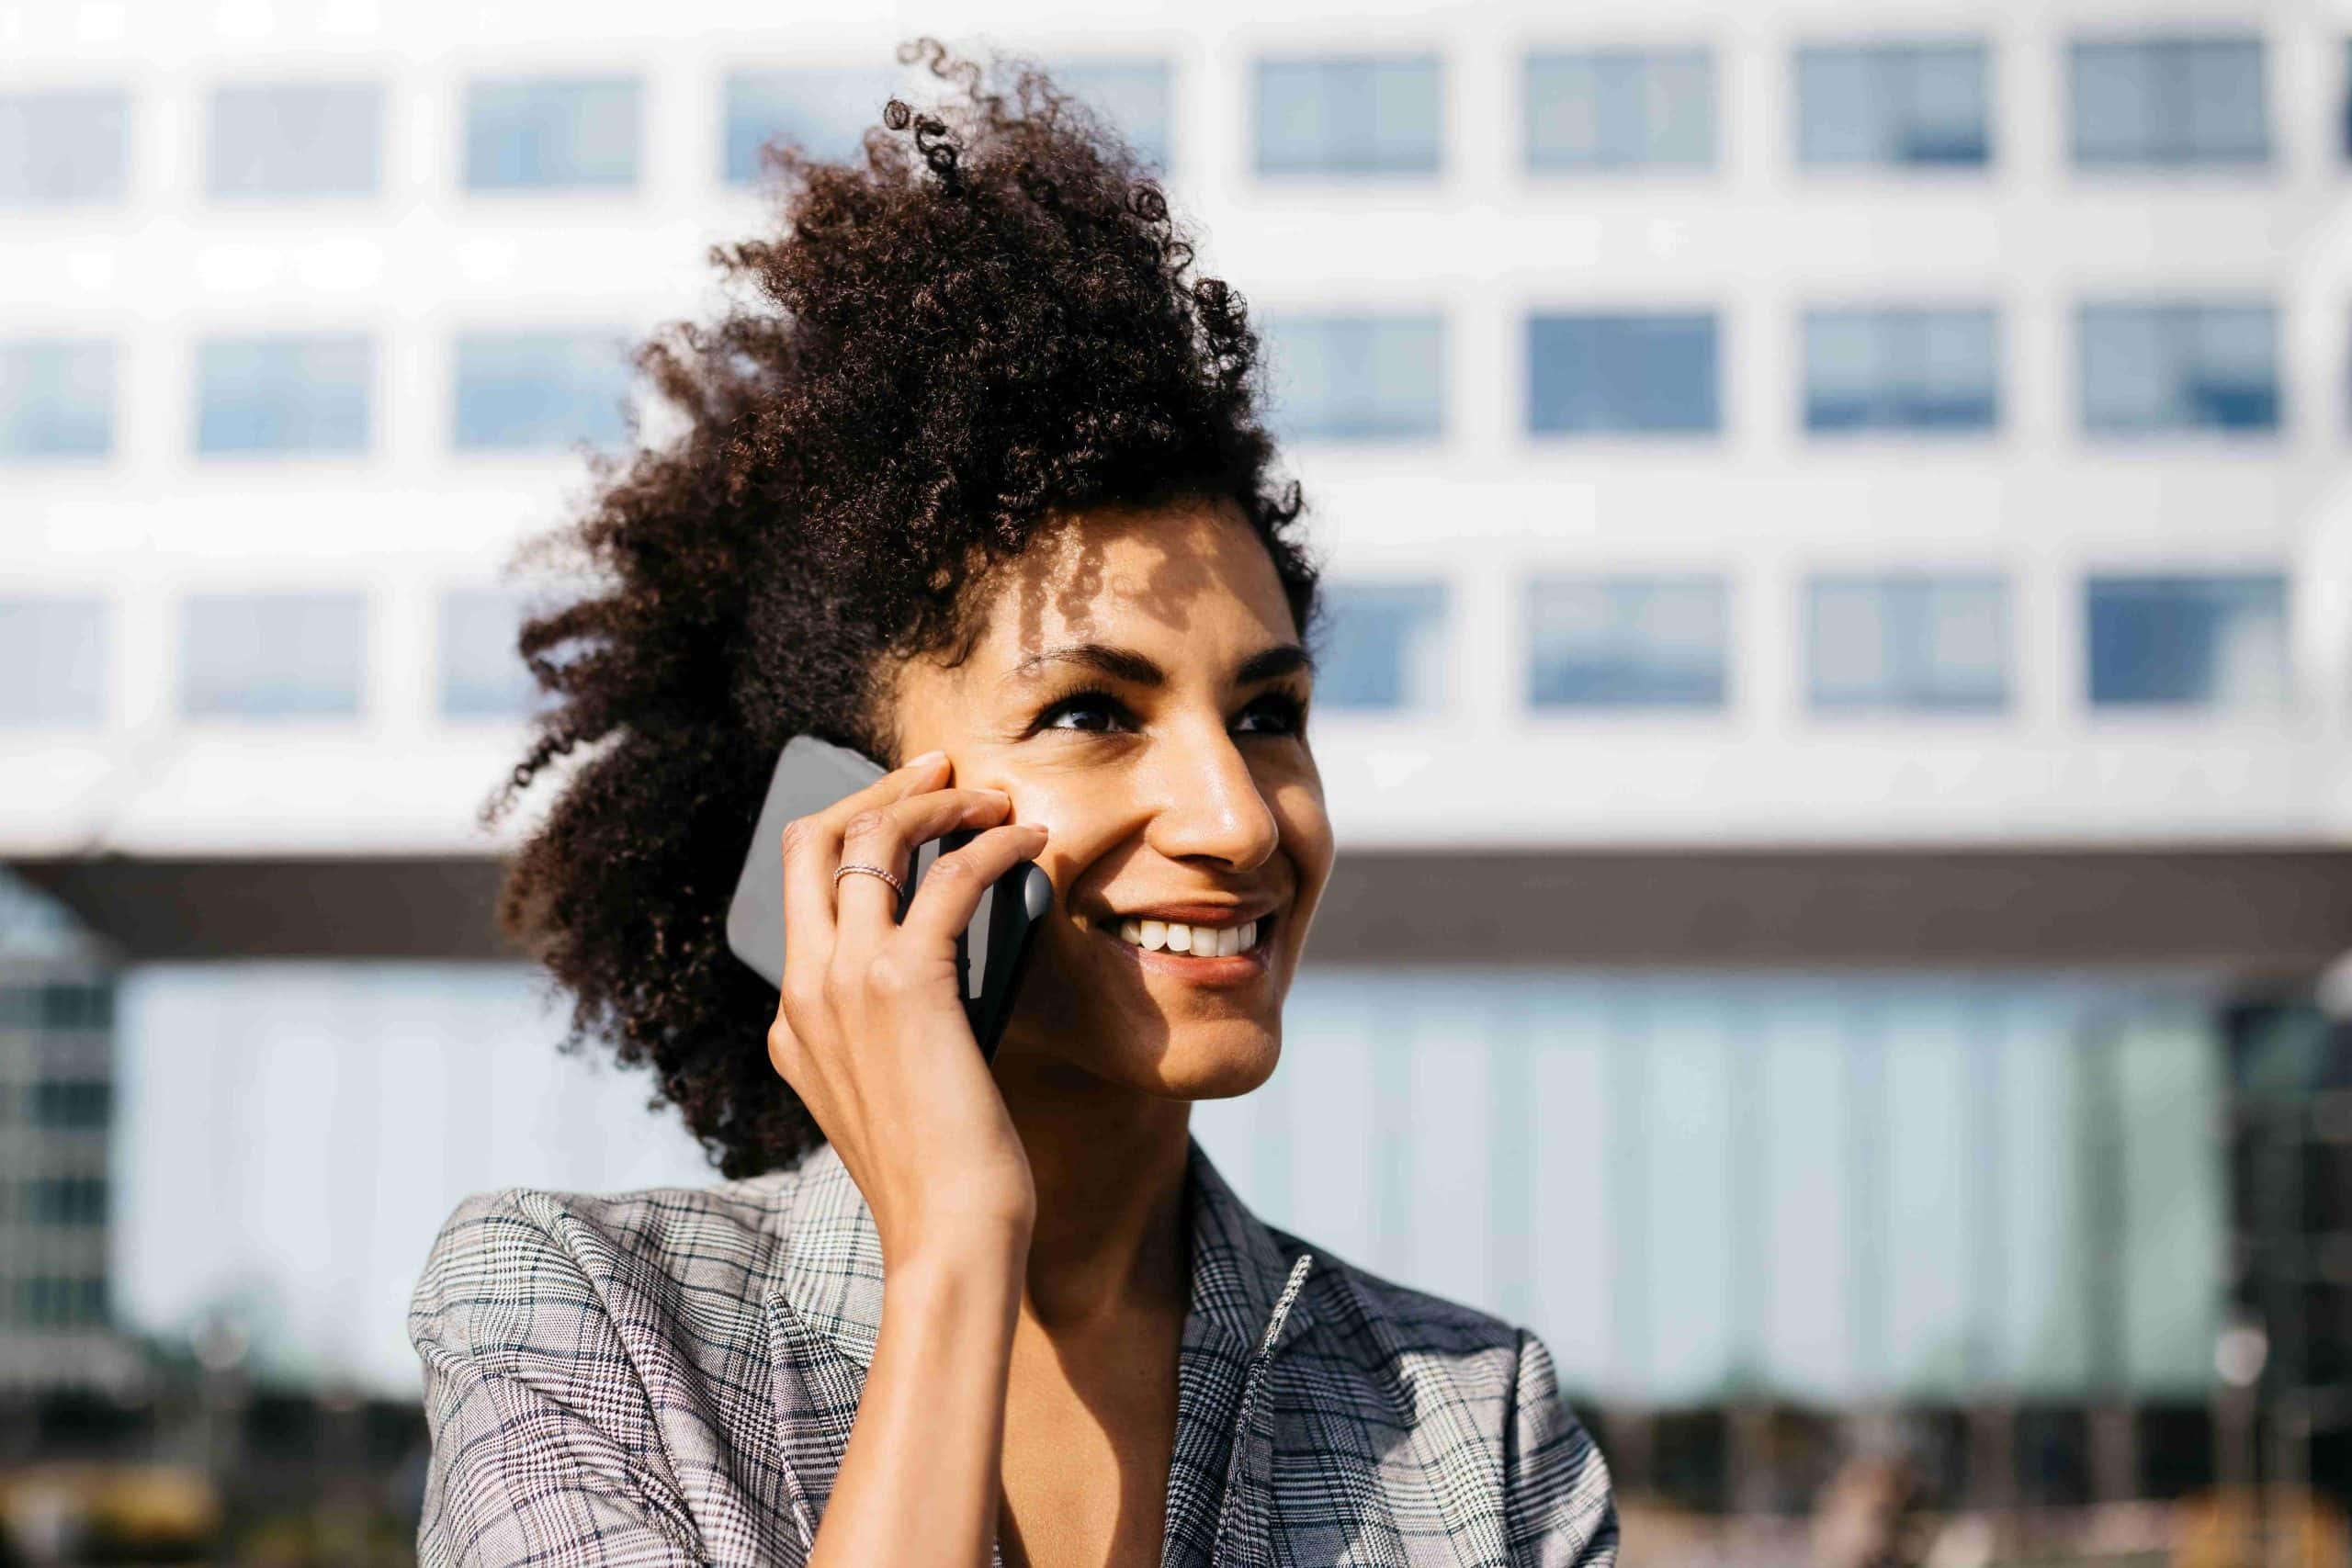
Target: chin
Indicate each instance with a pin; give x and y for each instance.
(1210, 1062)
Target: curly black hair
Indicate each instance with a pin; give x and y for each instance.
(983, 325)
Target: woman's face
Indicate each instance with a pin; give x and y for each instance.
(1140, 691)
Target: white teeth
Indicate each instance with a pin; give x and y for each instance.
(1202, 941)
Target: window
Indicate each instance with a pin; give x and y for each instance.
(2207, 642)
(65, 1005)
(1133, 95)
(1385, 647)
(56, 398)
(67, 1201)
(1900, 368)
(55, 1302)
(291, 139)
(286, 395)
(2169, 101)
(64, 149)
(1626, 642)
(55, 651)
(1931, 644)
(1349, 115)
(1620, 109)
(272, 655)
(551, 133)
(482, 673)
(1904, 104)
(1358, 378)
(1599, 374)
(825, 109)
(2178, 365)
(539, 390)
(76, 1104)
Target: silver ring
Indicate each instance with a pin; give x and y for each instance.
(896, 885)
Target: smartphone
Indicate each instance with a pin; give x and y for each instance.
(990, 953)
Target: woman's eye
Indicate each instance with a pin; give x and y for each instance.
(1092, 711)
(1281, 713)
(1277, 712)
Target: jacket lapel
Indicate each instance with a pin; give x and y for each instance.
(1246, 1306)
(824, 1313)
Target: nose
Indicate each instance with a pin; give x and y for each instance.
(1210, 805)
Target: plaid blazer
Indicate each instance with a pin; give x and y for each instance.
(670, 1376)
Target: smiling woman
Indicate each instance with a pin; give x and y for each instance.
(979, 489)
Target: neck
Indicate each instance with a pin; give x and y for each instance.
(1109, 1166)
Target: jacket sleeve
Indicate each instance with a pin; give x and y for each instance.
(545, 1446)
(1557, 1501)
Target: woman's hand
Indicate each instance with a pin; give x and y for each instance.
(870, 1032)
(870, 1029)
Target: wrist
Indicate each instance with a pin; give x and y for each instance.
(969, 1273)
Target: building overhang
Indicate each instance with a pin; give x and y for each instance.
(2255, 911)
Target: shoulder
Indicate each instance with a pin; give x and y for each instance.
(1479, 1397)
(505, 1257)
(1427, 1353)
(1392, 1320)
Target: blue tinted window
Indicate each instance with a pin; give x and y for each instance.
(551, 133)
(56, 398)
(1626, 642)
(1383, 647)
(825, 109)
(64, 149)
(2179, 366)
(1938, 644)
(1882, 368)
(539, 391)
(1358, 378)
(1135, 94)
(1892, 104)
(54, 648)
(2209, 642)
(482, 673)
(2169, 101)
(292, 395)
(1633, 373)
(272, 655)
(1349, 115)
(297, 139)
(1620, 109)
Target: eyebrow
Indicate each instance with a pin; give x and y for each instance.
(1139, 670)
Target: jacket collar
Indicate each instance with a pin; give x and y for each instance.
(825, 1311)
(832, 1274)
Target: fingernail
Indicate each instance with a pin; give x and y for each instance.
(927, 759)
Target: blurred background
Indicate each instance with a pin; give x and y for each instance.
(1837, 715)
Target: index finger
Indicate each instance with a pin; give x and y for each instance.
(812, 849)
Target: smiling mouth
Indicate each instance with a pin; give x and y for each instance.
(1198, 943)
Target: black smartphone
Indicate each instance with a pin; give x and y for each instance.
(991, 953)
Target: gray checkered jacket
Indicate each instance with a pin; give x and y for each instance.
(670, 1377)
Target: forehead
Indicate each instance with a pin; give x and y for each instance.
(1184, 574)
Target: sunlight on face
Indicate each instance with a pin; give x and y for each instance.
(1136, 687)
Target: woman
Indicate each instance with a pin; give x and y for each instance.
(979, 487)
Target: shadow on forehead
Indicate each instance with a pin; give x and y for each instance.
(1157, 562)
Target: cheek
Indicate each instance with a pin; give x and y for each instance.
(1306, 826)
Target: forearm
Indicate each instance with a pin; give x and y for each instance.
(919, 1483)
